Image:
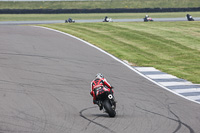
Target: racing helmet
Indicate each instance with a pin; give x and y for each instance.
(99, 76)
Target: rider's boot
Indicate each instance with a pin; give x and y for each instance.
(100, 105)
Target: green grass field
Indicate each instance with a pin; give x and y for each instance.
(100, 4)
(26, 17)
(172, 47)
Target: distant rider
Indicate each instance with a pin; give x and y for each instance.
(69, 20)
(105, 19)
(189, 17)
(97, 83)
(146, 18)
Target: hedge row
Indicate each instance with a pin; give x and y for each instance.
(56, 11)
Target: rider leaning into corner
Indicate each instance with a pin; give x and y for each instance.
(99, 81)
(105, 19)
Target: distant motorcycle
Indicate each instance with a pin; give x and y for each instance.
(70, 21)
(189, 17)
(146, 19)
(106, 99)
(106, 19)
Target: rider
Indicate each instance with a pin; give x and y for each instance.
(105, 19)
(146, 16)
(189, 17)
(99, 81)
(69, 20)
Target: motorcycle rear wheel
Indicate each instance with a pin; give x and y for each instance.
(111, 112)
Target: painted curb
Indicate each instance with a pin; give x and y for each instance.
(179, 86)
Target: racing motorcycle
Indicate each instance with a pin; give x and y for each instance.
(107, 19)
(107, 100)
(70, 21)
(146, 19)
(189, 17)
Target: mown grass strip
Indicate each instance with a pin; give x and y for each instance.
(99, 4)
(172, 47)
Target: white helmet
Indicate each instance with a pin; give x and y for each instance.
(99, 76)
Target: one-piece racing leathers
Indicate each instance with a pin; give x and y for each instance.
(96, 83)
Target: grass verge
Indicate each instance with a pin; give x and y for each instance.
(172, 47)
(99, 4)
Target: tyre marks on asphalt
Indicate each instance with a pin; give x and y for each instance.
(175, 119)
(92, 121)
(179, 86)
(47, 90)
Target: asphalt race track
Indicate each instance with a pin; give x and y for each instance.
(45, 82)
(92, 21)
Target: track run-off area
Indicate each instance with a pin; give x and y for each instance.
(45, 84)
